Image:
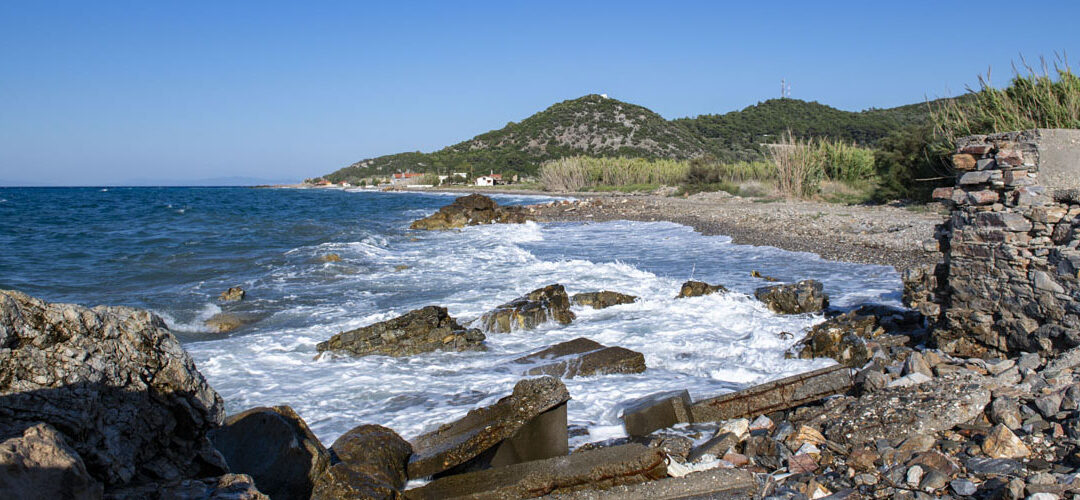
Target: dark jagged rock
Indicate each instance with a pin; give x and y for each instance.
(531, 310)
(114, 382)
(225, 487)
(802, 297)
(370, 463)
(36, 462)
(484, 429)
(471, 210)
(596, 469)
(421, 330)
(843, 338)
(602, 299)
(582, 357)
(699, 288)
(275, 447)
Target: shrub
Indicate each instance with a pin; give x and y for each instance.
(910, 163)
(846, 162)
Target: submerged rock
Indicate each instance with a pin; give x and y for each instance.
(802, 297)
(37, 463)
(602, 299)
(698, 288)
(421, 330)
(531, 310)
(471, 210)
(275, 447)
(232, 294)
(330, 257)
(483, 430)
(369, 463)
(225, 322)
(582, 357)
(114, 382)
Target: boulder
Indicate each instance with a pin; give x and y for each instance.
(37, 463)
(225, 487)
(661, 410)
(842, 338)
(225, 322)
(529, 424)
(602, 299)
(595, 469)
(369, 463)
(276, 448)
(114, 382)
(527, 312)
(421, 330)
(471, 210)
(698, 288)
(232, 294)
(582, 357)
(802, 297)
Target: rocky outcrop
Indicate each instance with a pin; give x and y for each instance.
(525, 313)
(422, 330)
(275, 447)
(582, 357)
(843, 338)
(802, 297)
(232, 294)
(369, 463)
(483, 430)
(471, 210)
(699, 288)
(113, 380)
(602, 299)
(37, 463)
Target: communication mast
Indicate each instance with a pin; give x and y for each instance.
(785, 89)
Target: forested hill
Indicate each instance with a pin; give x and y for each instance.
(594, 125)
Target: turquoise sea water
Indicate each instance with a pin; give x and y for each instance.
(173, 250)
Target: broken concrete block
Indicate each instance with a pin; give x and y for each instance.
(714, 484)
(773, 396)
(582, 357)
(656, 411)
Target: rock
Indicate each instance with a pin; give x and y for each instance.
(863, 458)
(598, 469)
(421, 330)
(762, 424)
(603, 299)
(698, 288)
(1002, 443)
(842, 338)
(471, 210)
(805, 435)
(582, 357)
(1006, 411)
(330, 257)
(370, 463)
(933, 480)
(962, 487)
(232, 294)
(37, 463)
(916, 364)
(901, 412)
(226, 487)
(910, 380)
(933, 459)
(224, 322)
(540, 402)
(799, 464)
(998, 366)
(774, 396)
(525, 313)
(113, 380)
(275, 447)
(718, 446)
(1048, 405)
(914, 475)
(992, 466)
(661, 410)
(803, 297)
(737, 426)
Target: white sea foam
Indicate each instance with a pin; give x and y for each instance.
(709, 345)
(195, 324)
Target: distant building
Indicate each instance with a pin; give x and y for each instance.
(489, 180)
(406, 178)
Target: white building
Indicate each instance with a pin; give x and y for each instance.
(485, 180)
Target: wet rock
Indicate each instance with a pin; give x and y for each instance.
(803, 297)
(1002, 443)
(597, 469)
(421, 330)
(582, 357)
(276, 448)
(232, 294)
(603, 299)
(471, 210)
(36, 462)
(224, 322)
(113, 380)
(699, 288)
(485, 430)
(656, 411)
(369, 463)
(525, 313)
(843, 338)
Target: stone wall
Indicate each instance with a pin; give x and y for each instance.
(1008, 278)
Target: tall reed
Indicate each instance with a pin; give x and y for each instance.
(580, 172)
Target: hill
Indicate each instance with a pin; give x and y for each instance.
(598, 126)
(591, 125)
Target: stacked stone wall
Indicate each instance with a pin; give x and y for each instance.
(1009, 278)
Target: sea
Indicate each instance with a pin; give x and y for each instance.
(173, 250)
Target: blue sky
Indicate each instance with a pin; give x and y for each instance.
(114, 92)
